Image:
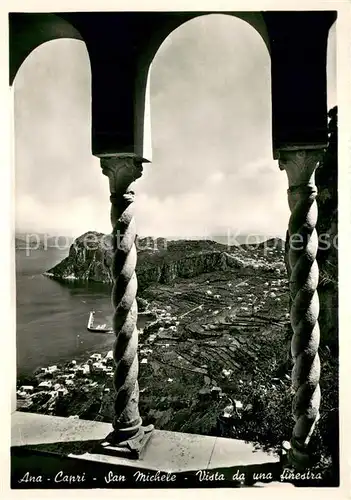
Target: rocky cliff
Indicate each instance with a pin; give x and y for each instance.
(159, 261)
(89, 258)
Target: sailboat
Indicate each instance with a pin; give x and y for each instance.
(98, 328)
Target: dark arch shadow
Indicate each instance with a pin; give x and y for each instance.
(165, 27)
(29, 31)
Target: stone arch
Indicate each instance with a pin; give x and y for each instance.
(29, 31)
(254, 19)
(217, 96)
(148, 53)
(51, 132)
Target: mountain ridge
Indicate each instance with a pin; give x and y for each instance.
(159, 260)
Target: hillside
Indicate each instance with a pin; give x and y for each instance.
(161, 261)
(219, 320)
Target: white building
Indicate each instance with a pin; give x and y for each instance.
(45, 385)
(22, 394)
(98, 367)
(96, 356)
(84, 370)
(52, 368)
(27, 388)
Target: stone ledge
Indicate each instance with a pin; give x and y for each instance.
(74, 444)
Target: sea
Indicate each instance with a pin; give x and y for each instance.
(52, 317)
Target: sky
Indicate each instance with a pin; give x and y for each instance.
(212, 170)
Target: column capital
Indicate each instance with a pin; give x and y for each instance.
(300, 165)
(122, 170)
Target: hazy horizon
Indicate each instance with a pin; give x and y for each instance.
(212, 167)
(64, 241)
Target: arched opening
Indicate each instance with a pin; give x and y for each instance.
(29, 31)
(60, 194)
(211, 135)
(58, 181)
(212, 177)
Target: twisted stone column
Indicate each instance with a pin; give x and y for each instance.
(300, 166)
(128, 434)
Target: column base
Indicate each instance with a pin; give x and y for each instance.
(298, 459)
(131, 448)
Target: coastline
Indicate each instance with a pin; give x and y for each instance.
(57, 388)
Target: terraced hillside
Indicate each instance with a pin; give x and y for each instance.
(219, 321)
(209, 336)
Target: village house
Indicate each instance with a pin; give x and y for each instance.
(52, 369)
(26, 388)
(96, 356)
(62, 391)
(45, 385)
(98, 367)
(83, 370)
